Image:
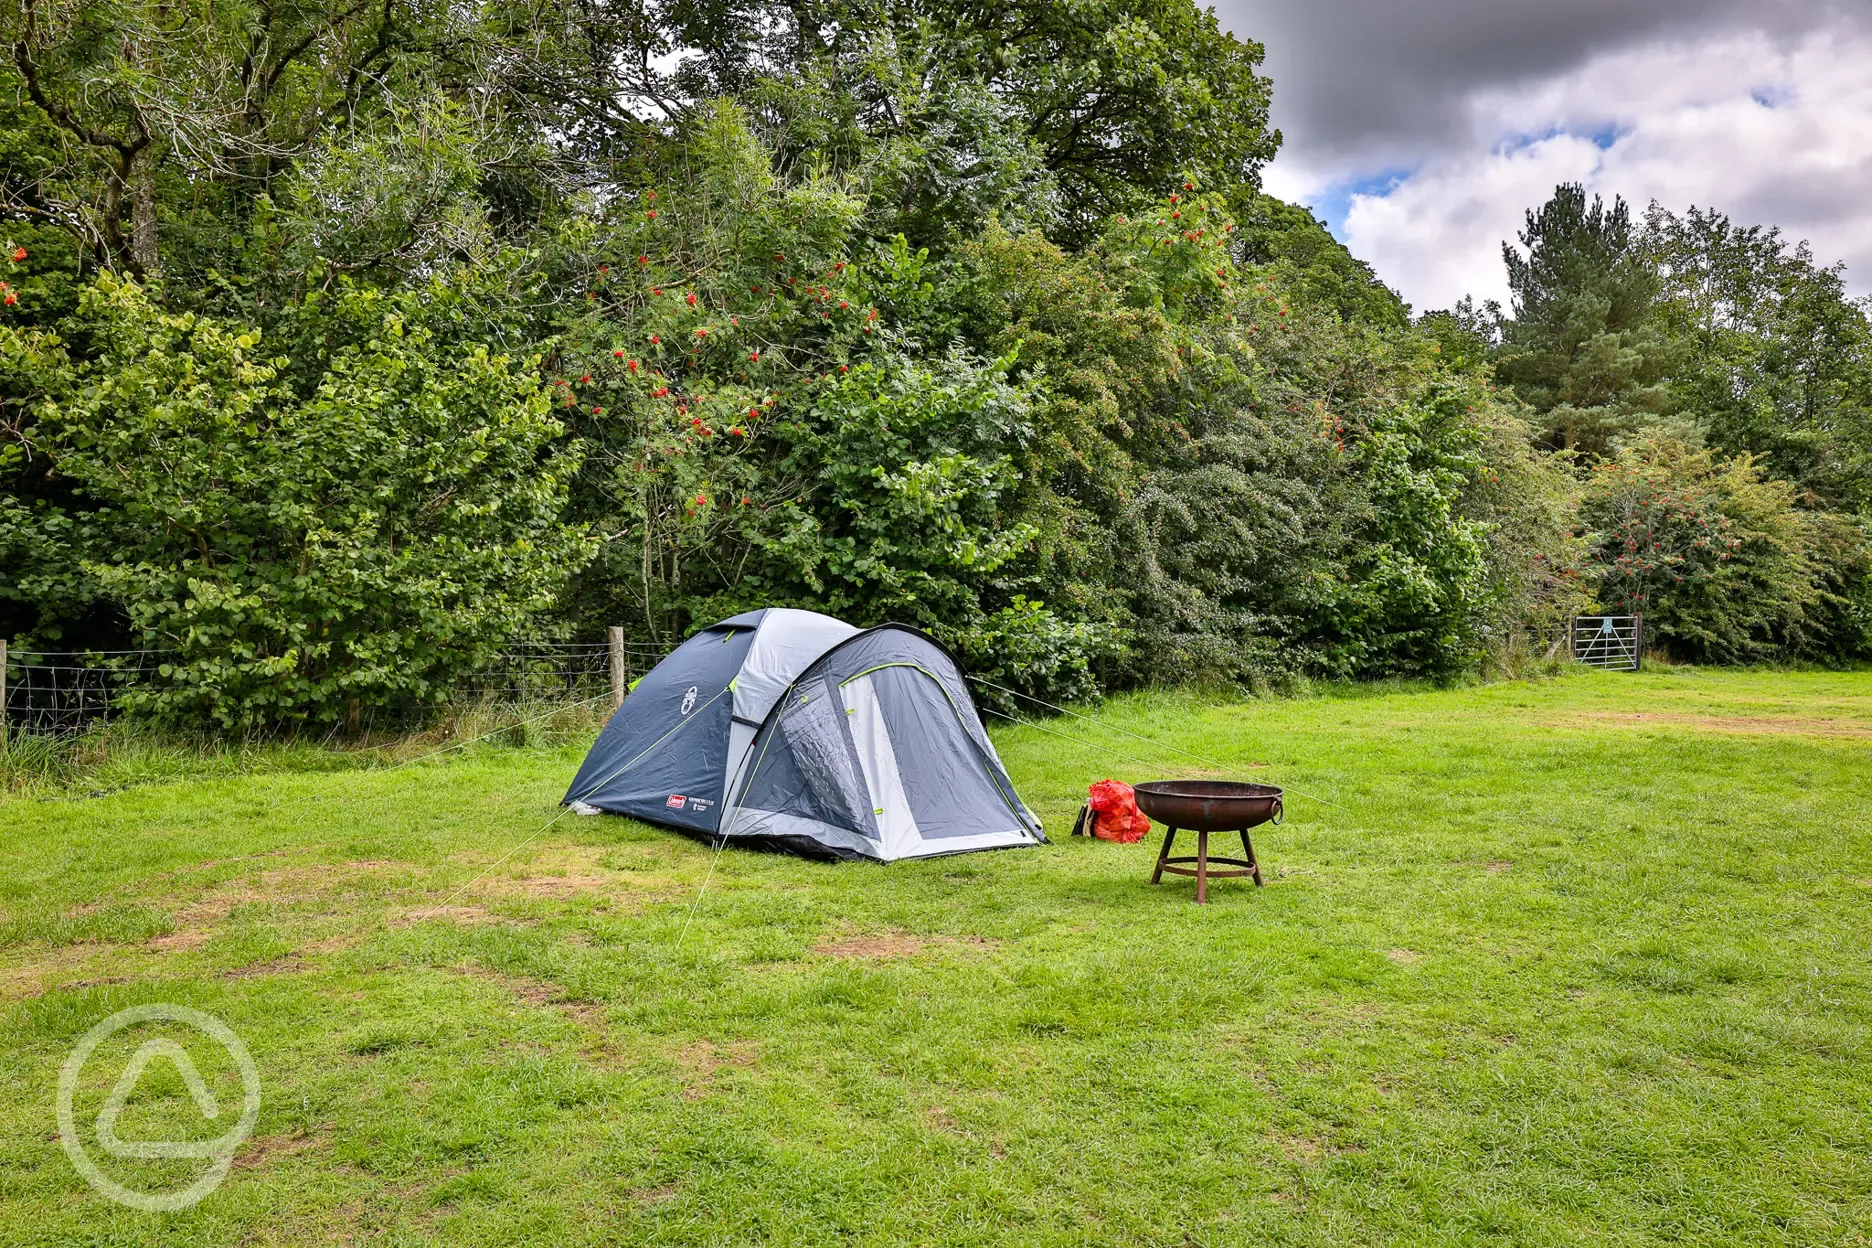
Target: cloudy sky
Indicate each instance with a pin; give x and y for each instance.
(1420, 130)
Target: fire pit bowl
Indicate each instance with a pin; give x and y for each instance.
(1209, 805)
(1202, 807)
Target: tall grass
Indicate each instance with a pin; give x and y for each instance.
(1519, 655)
(123, 754)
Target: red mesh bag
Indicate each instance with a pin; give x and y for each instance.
(1115, 816)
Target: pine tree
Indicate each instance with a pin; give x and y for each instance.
(1582, 346)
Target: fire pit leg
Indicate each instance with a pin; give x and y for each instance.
(1202, 868)
(1254, 863)
(1162, 854)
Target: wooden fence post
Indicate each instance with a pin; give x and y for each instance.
(618, 670)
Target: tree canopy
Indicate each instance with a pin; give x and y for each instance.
(1717, 382)
(343, 343)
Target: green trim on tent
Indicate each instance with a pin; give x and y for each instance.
(1013, 807)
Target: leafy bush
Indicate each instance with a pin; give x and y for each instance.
(41, 586)
(1227, 471)
(705, 320)
(763, 434)
(974, 316)
(1311, 518)
(1777, 354)
(910, 516)
(307, 555)
(1719, 559)
(1527, 502)
(1146, 461)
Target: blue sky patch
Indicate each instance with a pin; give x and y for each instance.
(1602, 138)
(1605, 136)
(1332, 204)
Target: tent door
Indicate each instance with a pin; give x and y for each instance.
(935, 791)
(897, 829)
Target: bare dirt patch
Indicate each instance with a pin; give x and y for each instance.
(36, 978)
(264, 1150)
(541, 994)
(1404, 957)
(332, 944)
(697, 1063)
(567, 873)
(571, 875)
(278, 966)
(1303, 1147)
(453, 914)
(894, 944)
(1310, 1148)
(557, 887)
(197, 918)
(314, 879)
(1255, 1072)
(1744, 725)
(589, 1015)
(180, 940)
(209, 864)
(532, 992)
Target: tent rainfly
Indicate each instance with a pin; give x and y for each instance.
(793, 729)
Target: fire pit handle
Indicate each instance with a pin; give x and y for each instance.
(1279, 811)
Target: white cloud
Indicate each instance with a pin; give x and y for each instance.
(1438, 236)
(1770, 132)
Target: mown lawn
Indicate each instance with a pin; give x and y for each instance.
(1582, 961)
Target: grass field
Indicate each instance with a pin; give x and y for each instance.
(1586, 961)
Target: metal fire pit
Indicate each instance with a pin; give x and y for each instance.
(1202, 807)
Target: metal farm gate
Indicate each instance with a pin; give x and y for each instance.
(1614, 643)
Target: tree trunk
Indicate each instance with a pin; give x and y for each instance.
(111, 250)
(143, 250)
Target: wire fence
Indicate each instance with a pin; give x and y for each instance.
(62, 692)
(1552, 641)
(66, 691)
(541, 672)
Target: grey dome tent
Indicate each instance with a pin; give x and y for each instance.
(793, 729)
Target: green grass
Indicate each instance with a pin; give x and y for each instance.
(1547, 972)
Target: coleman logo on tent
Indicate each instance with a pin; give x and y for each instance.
(676, 800)
(688, 700)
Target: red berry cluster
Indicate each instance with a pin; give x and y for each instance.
(8, 296)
